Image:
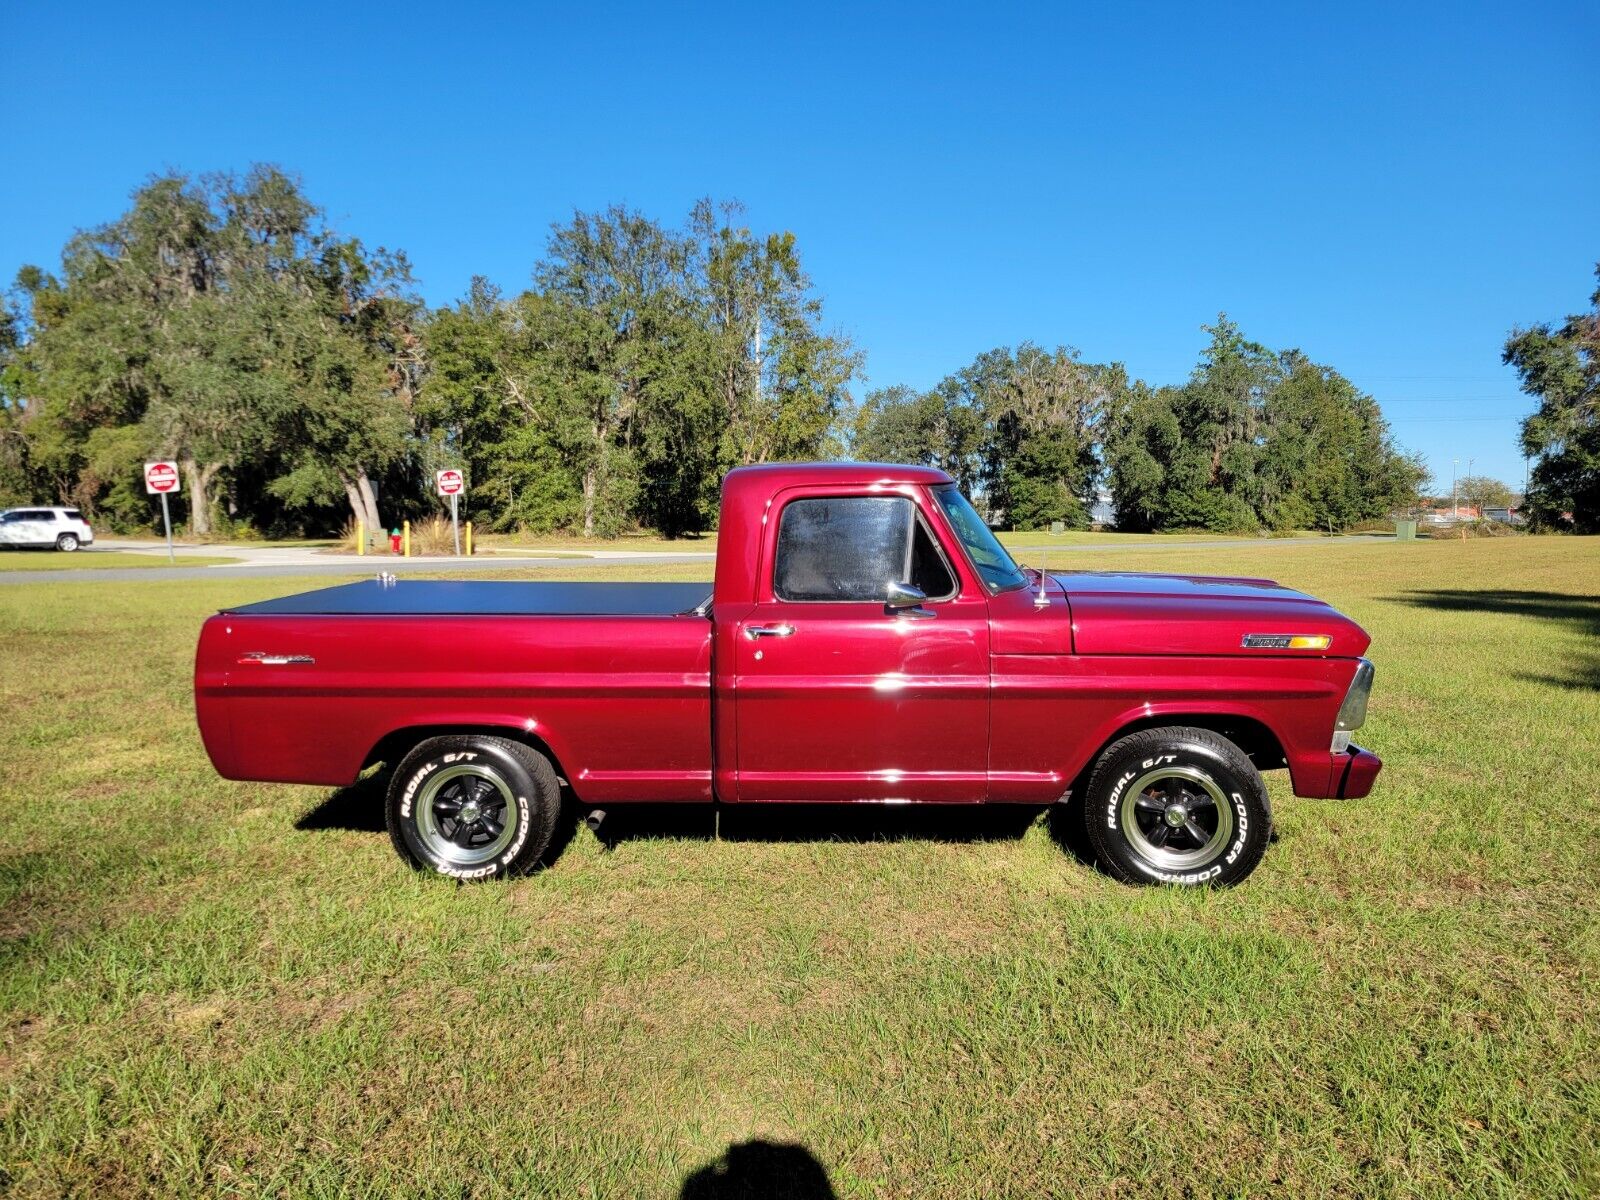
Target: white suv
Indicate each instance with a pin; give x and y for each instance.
(44, 529)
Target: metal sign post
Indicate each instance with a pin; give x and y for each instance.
(166, 525)
(451, 483)
(161, 479)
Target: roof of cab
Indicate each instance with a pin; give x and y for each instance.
(796, 474)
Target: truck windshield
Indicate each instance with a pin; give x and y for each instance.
(999, 570)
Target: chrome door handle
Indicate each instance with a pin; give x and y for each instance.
(760, 631)
(261, 658)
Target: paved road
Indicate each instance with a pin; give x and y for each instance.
(267, 562)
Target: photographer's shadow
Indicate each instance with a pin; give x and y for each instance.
(760, 1170)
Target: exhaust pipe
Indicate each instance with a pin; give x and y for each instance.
(595, 819)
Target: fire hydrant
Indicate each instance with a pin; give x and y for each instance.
(394, 541)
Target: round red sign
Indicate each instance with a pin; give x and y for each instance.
(161, 477)
(450, 483)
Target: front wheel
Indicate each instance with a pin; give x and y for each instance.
(67, 542)
(472, 806)
(1177, 805)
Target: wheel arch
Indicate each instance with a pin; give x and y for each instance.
(1254, 737)
(397, 743)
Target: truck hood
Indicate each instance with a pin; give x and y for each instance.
(1133, 613)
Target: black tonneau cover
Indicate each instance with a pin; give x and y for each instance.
(456, 597)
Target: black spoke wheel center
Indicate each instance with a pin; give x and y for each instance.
(470, 811)
(465, 814)
(1176, 818)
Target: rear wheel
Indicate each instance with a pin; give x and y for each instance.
(1177, 805)
(67, 542)
(472, 806)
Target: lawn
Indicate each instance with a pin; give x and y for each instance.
(1163, 541)
(212, 988)
(86, 560)
(633, 543)
(578, 547)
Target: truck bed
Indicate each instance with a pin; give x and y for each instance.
(613, 679)
(503, 598)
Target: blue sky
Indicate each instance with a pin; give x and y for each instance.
(1388, 187)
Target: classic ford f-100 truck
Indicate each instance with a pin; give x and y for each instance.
(866, 638)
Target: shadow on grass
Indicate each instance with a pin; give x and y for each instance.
(760, 1170)
(816, 822)
(1560, 608)
(359, 808)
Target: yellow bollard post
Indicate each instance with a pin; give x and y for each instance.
(361, 537)
(405, 539)
(469, 539)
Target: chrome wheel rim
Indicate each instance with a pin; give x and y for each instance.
(68, 542)
(1177, 818)
(466, 815)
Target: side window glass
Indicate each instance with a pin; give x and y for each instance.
(843, 548)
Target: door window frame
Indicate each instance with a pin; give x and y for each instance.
(768, 568)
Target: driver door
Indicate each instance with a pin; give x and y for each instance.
(841, 697)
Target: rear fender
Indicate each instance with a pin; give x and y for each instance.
(397, 743)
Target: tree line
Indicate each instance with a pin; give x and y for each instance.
(302, 383)
(1255, 438)
(1559, 366)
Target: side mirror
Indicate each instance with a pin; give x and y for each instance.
(905, 599)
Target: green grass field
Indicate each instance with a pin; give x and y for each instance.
(707, 543)
(1029, 539)
(1027, 545)
(91, 560)
(636, 543)
(230, 989)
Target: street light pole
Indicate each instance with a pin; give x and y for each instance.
(1455, 506)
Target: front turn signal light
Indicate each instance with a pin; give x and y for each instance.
(1287, 641)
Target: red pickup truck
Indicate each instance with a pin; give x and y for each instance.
(866, 639)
